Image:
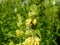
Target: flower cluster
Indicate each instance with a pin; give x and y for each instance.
(19, 33)
(31, 41)
(31, 21)
(29, 34)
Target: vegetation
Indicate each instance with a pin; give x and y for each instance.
(29, 22)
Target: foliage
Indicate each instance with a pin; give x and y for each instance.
(21, 19)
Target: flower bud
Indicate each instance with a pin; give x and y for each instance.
(28, 33)
(19, 33)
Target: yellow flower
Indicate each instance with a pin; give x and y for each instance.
(37, 43)
(28, 41)
(34, 43)
(28, 22)
(37, 39)
(31, 41)
(34, 22)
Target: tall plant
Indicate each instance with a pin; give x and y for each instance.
(29, 22)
